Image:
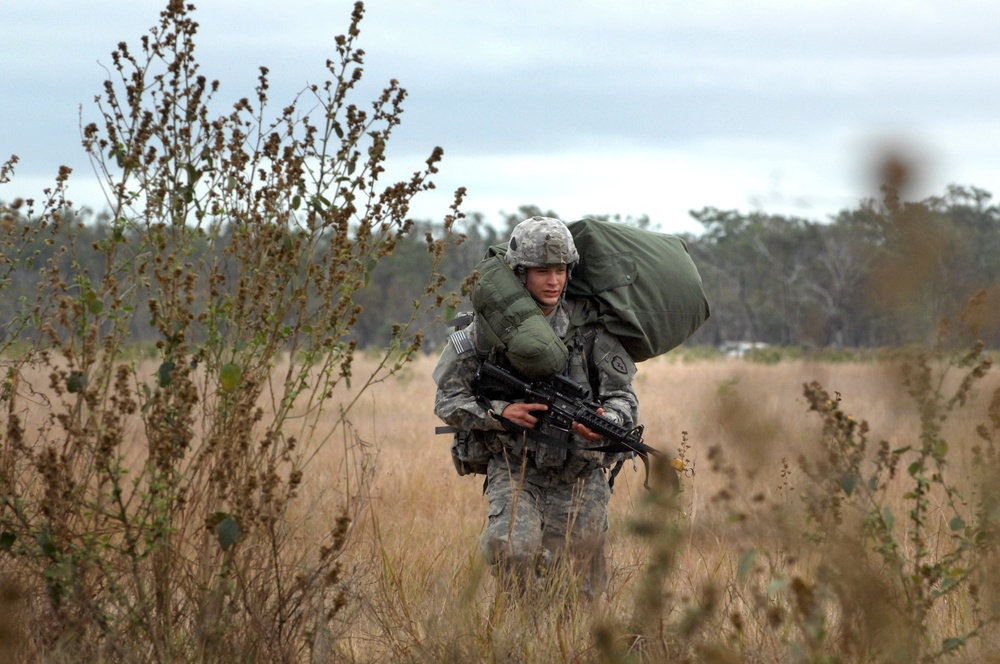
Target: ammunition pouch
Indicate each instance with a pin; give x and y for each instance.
(471, 452)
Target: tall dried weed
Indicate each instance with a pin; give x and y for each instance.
(150, 502)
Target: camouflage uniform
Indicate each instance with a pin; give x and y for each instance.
(546, 504)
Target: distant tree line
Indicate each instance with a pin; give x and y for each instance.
(883, 274)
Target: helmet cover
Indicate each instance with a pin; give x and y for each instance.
(539, 242)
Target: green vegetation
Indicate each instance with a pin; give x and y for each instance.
(875, 277)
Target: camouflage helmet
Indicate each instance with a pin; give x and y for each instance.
(541, 241)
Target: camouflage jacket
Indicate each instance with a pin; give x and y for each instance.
(597, 361)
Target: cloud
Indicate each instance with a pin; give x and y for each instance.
(775, 103)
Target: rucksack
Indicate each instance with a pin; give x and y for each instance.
(641, 285)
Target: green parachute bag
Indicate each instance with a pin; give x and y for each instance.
(511, 321)
(641, 285)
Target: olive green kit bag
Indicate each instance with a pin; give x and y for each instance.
(642, 286)
(511, 321)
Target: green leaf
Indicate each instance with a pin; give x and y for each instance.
(369, 268)
(848, 482)
(947, 584)
(94, 303)
(7, 540)
(747, 561)
(958, 523)
(888, 518)
(940, 449)
(163, 374)
(954, 643)
(76, 382)
(777, 585)
(46, 544)
(230, 376)
(228, 531)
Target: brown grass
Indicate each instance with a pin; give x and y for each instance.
(423, 594)
(418, 591)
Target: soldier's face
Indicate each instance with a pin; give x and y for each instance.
(546, 285)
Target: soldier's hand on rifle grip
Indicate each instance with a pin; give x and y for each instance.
(586, 433)
(521, 413)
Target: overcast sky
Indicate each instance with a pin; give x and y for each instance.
(582, 107)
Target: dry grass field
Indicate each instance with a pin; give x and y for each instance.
(740, 567)
(729, 563)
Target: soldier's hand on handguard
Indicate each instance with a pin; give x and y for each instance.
(586, 433)
(521, 413)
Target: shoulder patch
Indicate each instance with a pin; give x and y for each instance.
(460, 342)
(618, 364)
(613, 359)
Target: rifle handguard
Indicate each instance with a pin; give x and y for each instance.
(606, 427)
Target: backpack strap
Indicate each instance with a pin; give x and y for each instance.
(583, 334)
(581, 337)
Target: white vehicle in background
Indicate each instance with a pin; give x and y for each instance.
(740, 348)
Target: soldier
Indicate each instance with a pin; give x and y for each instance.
(547, 505)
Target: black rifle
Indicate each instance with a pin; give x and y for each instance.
(566, 404)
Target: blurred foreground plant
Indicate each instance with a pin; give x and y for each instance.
(892, 573)
(152, 512)
(885, 555)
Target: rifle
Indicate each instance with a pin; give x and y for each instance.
(566, 404)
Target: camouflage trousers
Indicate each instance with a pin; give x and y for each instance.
(542, 529)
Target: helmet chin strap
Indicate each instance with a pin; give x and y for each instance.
(522, 274)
